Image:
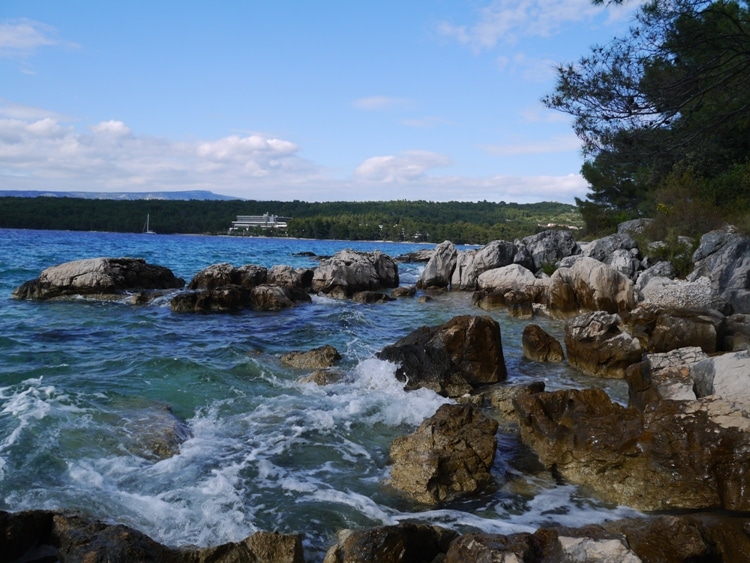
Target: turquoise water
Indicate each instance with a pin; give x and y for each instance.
(80, 380)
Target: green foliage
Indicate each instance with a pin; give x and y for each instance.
(459, 222)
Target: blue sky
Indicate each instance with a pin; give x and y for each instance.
(280, 100)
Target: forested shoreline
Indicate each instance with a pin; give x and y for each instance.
(460, 222)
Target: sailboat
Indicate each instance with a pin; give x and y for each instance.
(146, 229)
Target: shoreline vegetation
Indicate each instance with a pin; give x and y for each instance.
(412, 221)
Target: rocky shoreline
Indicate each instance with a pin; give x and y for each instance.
(680, 449)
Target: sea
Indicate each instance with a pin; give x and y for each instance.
(82, 383)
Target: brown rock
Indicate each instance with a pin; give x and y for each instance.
(317, 358)
(540, 346)
(450, 453)
(451, 358)
(597, 345)
(371, 297)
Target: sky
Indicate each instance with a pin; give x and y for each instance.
(326, 100)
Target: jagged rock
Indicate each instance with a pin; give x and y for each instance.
(661, 269)
(634, 227)
(450, 358)
(548, 247)
(661, 330)
(101, 278)
(677, 294)
(501, 399)
(224, 274)
(625, 262)
(371, 297)
(589, 285)
(403, 543)
(227, 299)
(724, 258)
(663, 376)
(41, 535)
(290, 277)
(317, 358)
(726, 375)
(439, 269)
(450, 453)
(597, 345)
(675, 455)
(472, 264)
(604, 248)
(349, 271)
(540, 346)
(276, 297)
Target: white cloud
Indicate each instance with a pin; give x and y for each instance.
(531, 69)
(20, 38)
(562, 143)
(375, 103)
(507, 21)
(112, 128)
(405, 167)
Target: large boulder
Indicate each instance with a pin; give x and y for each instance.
(726, 375)
(290, 277)
(675, 455)
(597, 345)
(41, 535)
(724, 258)
(451, 453)
(661, 330)
(402, 543)
(472, 264)
(511, 286)
(548, 248)
(589, 285)
(99, 278)
(676, 294)
(224, 274)
(439, 269)
(604, 249)
(349, 271)
(451, 358)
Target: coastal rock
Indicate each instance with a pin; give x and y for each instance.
(548, 248)
(317, 358)
(371, 297)
(662, 269)
(506, 278)
(736, 333)
(694, 453)
(726, 376)
(724, 258)
(496, 254)
(677, 294)
(450, 453)
(604, 248)
(501, 399)
(349, 271)
(540, 346)
(227, 299)
(597, 345)
(402, 543)
(589, 285)
(663, 376)
(154, 432)
(661, 330)
(224, 274)
(404, 291)
(438, 271)
(41, 535)
(98, 277)
(287, 276)
(634, 227)
(518, 304)
(275, 297)
(450, 358)
(323, 376)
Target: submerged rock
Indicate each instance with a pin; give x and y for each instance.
(450, 453)
(317, 358)
(101, 278)
(451, 358)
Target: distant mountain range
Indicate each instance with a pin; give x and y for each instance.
(122, 196)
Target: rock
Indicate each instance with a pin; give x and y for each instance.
(274, 297)
(519, 305)
(663, 376)
(677, 294)
(510, 286)
(371, 297)
(724, 258)
(589, 285)
(451, 358)
(634, 227)
(154, 432)
(625, 262)
(450, 453)
(604, 248)
(41, 535)
(417, 256)
(597, 345)
(549, 247)
(404, 291)
(290, 277)
(404, 543)
(737, 333)
(496, 254)
(662, 269)
(223, 275)
(227, 299)
(317, 358)
(661, 330)
(439, 269)
(726, 375)
(349, 271)
(501, 399)
(511, 277)
(98, 277)
(540, 346)
(676, 455)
